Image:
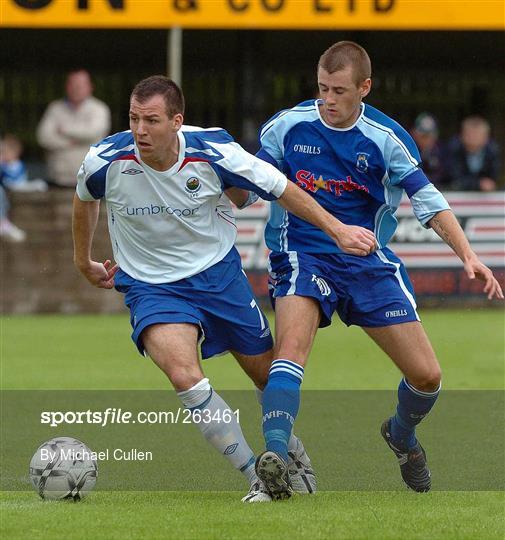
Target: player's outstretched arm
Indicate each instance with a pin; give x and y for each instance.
(446, 225)
(349, 238)
(84, 220)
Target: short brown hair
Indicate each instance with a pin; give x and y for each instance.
(162, 86)
(347, 53)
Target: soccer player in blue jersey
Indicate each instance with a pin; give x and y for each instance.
(172, 233)
(357, 163)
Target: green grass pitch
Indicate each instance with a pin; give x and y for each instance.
(94, 352)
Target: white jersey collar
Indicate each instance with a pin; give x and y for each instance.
(319, 102)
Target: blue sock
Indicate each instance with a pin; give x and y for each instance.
(281, 400)
(413, 406)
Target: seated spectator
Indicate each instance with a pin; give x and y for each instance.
(69, 126)
(474, 158)
(425, 134)
(13, 170)
(8, 231)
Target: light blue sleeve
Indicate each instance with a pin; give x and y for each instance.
(271, 140)
(399, 151)
(403, 159)
(273, 133)
(427, 202)
(401, 156)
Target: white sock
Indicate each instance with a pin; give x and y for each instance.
(219, 426)
(293, 439)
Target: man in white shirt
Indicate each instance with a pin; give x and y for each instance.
(172, 232)
(69, 126)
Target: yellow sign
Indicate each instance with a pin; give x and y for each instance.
(273, 14)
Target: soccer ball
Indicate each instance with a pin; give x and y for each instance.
(63, 468)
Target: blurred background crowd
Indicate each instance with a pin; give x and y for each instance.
(62, 90)
(73, 88)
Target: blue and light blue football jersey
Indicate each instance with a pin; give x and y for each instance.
(358, 174)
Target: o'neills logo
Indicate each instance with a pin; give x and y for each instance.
(396, 313)
(193, 185)
(308, 181)
(307, 149)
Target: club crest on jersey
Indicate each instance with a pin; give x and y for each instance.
(362, 161)
(193, 186)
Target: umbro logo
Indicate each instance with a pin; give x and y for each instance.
(230, 449)
(132, 171)
(265, 333)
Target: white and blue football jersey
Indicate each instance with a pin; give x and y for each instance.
(358, 174)
(170, 225)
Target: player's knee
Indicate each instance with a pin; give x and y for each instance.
(293, 348)
(259, 377)
(260, 380)
(184, 380)
(256, 366)
(428, 380)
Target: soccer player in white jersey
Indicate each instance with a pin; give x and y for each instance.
(172, 233)
(357, 163)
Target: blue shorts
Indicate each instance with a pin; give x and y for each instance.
(219, 300)
(370, 291)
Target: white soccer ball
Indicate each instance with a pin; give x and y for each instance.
(63, 468)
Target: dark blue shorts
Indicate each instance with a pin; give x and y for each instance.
(370, 291)
(219, 300)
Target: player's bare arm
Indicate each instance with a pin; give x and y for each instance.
(349, 238)
(84, 220)
(237, 195)
(447, 227)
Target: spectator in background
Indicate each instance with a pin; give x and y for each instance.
(12, 169)
(474, 158)
(69, 126)
(8, 231)
(425, 134)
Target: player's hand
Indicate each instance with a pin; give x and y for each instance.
(355, 240)
(100, 275)
(476, 270)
